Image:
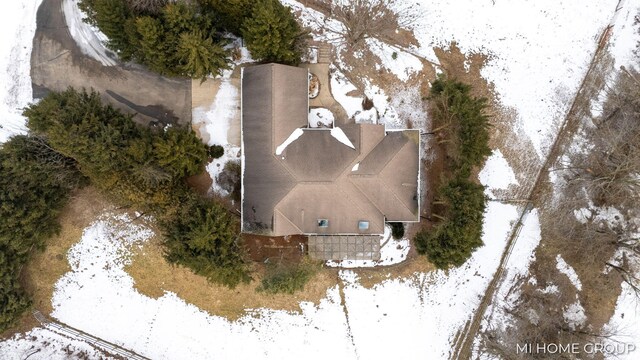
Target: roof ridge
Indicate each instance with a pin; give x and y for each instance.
(355, 203)
(390, 158)
(367, 196)
(391, 188)
(275, 209)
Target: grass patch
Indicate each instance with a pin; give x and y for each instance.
(282, 278)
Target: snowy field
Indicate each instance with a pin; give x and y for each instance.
(18, 19)
(41, 343)
(412, 318)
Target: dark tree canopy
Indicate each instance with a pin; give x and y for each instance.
(35, 182)
(138, 166)
(204, 237)
(188, 38)
(272, 33)
(462, 129)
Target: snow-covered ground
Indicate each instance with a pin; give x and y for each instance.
(90, 40)
(412, 318)
(522, 255)
(626, 319)
(320, 117)
(216, 120)
(497, 174)
(41, 343)
(422, 312)
(624, 323)
(538, 51)
(18, 25)
(568, 270)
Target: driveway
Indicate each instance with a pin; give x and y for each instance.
(58, 63)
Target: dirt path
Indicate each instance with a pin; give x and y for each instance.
(58, 63)
(463, 347)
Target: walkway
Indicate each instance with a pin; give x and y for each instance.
(325, 98)
(344, 247)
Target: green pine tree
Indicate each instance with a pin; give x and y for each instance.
(204, 237)
(198, 56)
(272, 34)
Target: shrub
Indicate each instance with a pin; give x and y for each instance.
(229, 179)
(397, 230)
(288, 278)
(367, 104)
(216, 151)
(272, 34)
(204, 237)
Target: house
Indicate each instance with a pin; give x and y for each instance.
(348, 179)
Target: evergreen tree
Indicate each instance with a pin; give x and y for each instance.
(136, 165)
(112, 16)
(460, 123)
(230, 12)
(35, 183)
(272, 34)
(199, 56)
(171, 38)
(204, 237)
(452, 241)
(152, 44)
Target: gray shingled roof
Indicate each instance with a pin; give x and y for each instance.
(313, 178)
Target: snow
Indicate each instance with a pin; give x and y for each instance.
(574, 315)
(98, 296)
(214, 123)
(222, 111)
(567, 270)
(216, 166)
(497, 173)
(392, 251)
(624, 324)
(18, 19)
(89, 39)
(339, 135)
(517, 267)
(431, 305)
(44, 344)
(537, 84)
(340, 87)
(293, 137)
(625, 38)
(403, 66)
(320, 117)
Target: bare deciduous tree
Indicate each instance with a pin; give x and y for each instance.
(610, 170)
(359, 20)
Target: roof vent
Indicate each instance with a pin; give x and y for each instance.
(323, 223)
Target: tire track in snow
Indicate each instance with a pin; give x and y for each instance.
(343, 303)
